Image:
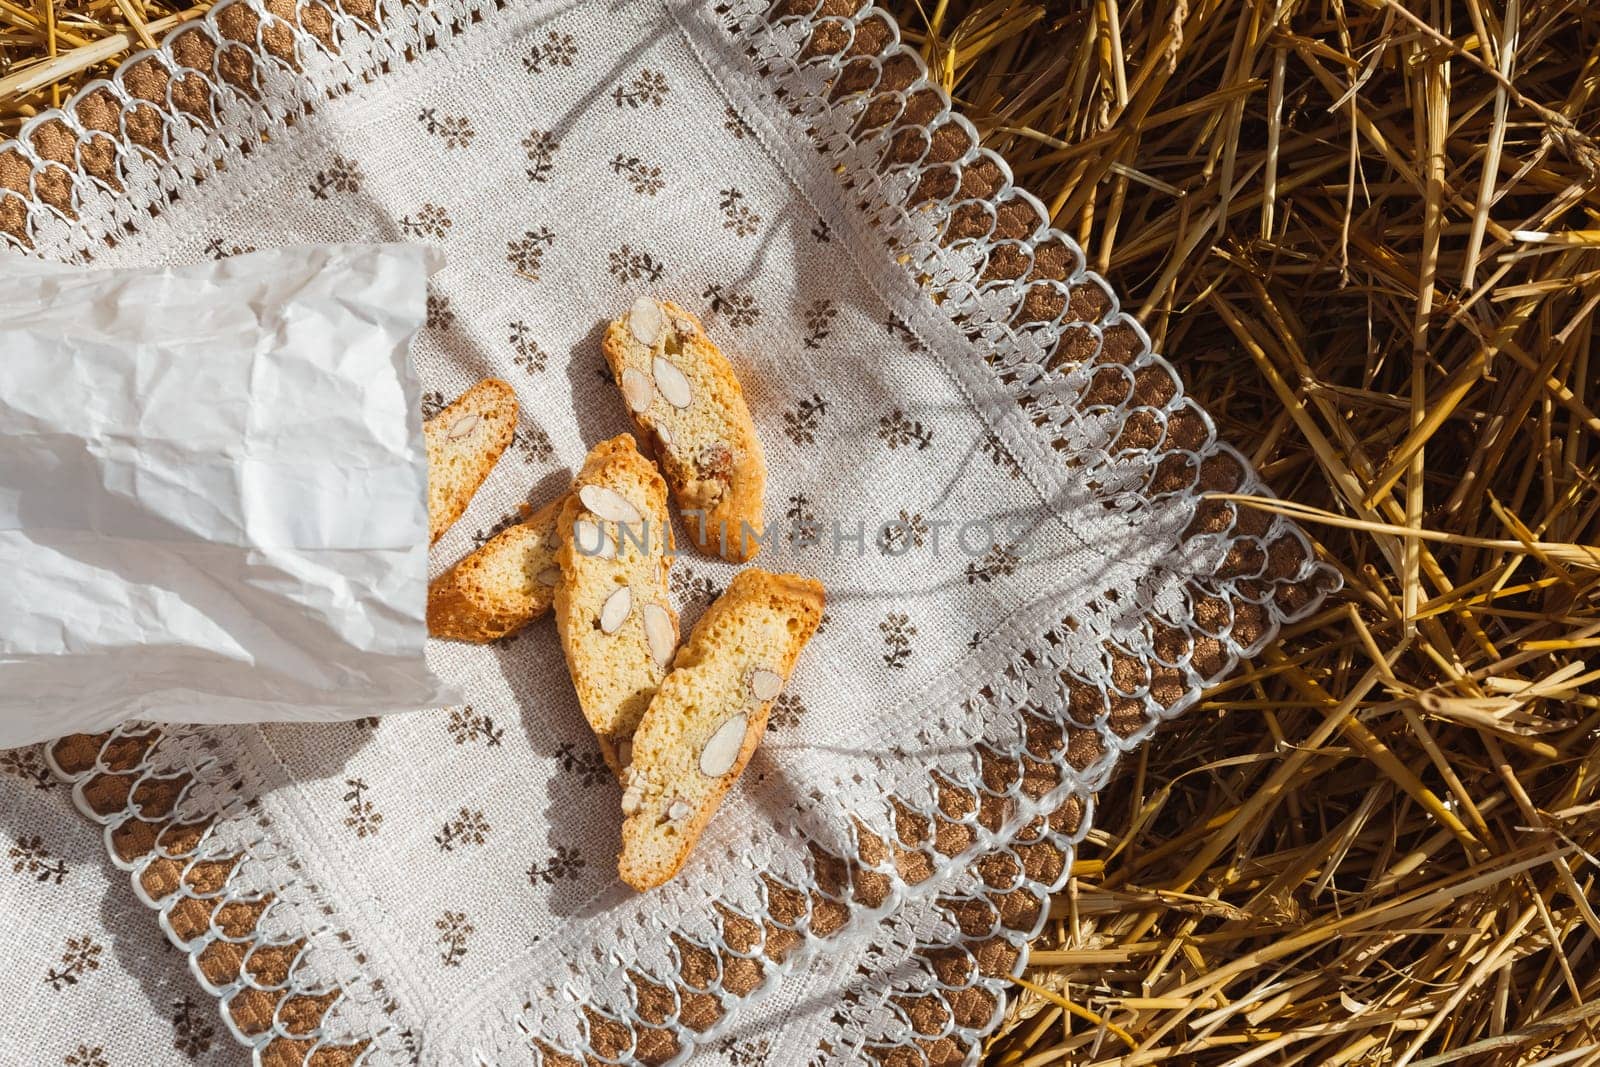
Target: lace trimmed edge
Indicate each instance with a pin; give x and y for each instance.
(118, 785)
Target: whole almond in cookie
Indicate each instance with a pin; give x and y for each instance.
(610, 606)
(708, 716)
(687, 402)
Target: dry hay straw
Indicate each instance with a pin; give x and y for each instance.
(1365, 232)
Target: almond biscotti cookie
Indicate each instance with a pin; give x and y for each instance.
(687, 402)
(504, 585)
(708, 716)
(463, 442)
(612, 611)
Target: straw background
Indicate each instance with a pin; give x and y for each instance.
(1367, 232)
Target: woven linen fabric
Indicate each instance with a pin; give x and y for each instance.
(968, 442)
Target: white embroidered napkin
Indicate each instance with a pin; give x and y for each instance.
(969, 442)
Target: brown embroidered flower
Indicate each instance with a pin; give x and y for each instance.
(341, 175)
(736, 214)
(801, 424)
(740, 309)
(897, 634)
(631, 265)
(192, 1034)
(364, 818)
(454, 931)
(645, 179)
(81, 956)
(455, 130)
(898, 431)
(649, 87)
(468, 725)
(431, 220)
(556, 50)
(540, 147)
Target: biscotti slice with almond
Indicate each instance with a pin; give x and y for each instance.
(504, 585)
(616, 622)
(686, 401)
(463, 442)
(708, 716)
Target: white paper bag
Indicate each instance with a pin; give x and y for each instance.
(213, 491)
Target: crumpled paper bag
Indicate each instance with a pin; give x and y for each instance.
(213, 491)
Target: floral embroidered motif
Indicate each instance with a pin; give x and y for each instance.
(787, 711)
(540, 147)
(735, 124)
(192, 1034)
(364, 818)
(530, 357)
(740, 309)
(801, 424)
(736, 214)
(467, 828)
(901, 329)
(431, 220)
(340, 176)
(30, 856)
(556, 50)
(455, 130)
(588, 766)
(467, 725)
(440, 317)
(454, 930)
(804, 529)
(897, 634)
(650, 87)
(567, 862)
(629, 265)
(216, 249)
(899, 536)
(82, 956)
(87, 1056)
(999, 560)
(691, 588)
(1002, 459)
(534, 444)
(645, 179)
(819, 317)
(526, 253)
(27, 764)
(898, 431)
(432, 404)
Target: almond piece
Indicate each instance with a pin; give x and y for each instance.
(625, 754)
(722, 751)
(636, 390)
(658, 634)
(591, 539)
(765, 684)
(673, 385)
(463, 426)
(645, 321)
(678, 810)
(615, 610)
(632, 800)
(608, 504)
(550, 576)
